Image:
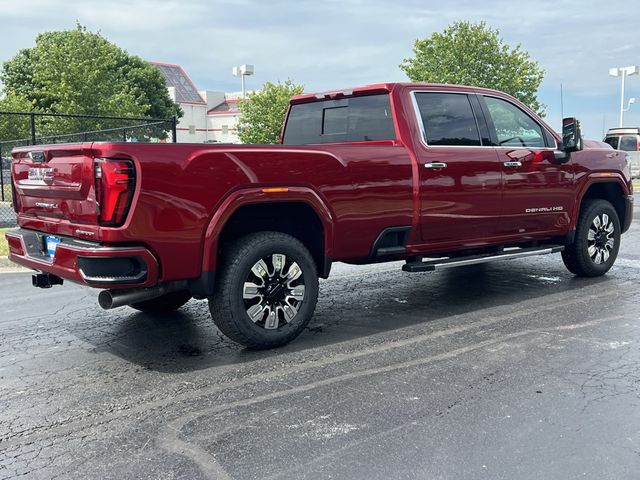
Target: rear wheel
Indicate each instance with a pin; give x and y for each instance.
(266, 291)
(163, 304)
(597, 240)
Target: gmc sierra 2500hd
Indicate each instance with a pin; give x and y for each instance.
(436, 175)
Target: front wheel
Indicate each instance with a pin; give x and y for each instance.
(266, 290)
(597, 240)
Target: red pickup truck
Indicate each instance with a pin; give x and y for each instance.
(436, 175)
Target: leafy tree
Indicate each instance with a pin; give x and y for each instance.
(80, 72)
(14, 127)
(263, 112)
(473, 54)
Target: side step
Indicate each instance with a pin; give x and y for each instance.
(507, 254)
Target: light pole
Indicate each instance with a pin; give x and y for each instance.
(242, 71)
(623, 72)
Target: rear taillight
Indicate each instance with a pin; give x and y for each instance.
(14, 197)
(115, 183)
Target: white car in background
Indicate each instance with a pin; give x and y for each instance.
(628, 140)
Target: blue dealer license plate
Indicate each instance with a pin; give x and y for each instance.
(50, 244)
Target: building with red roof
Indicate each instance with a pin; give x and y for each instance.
(209, 116)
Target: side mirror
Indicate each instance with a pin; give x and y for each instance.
(571, 135)
(571, 140)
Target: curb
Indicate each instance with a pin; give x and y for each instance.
(7, 265)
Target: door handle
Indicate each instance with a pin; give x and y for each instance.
(512, 164)
(435, 165)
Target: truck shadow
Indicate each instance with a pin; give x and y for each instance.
(350, 306)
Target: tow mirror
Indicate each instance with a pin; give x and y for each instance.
(571, 139)
(571, 135)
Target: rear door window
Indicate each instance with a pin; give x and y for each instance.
(355, 119)
(629, 143)
(613, 141)
(447, 119)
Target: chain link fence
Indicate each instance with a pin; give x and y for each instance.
(7, 214)
(19, 129)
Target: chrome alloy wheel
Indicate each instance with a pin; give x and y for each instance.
(273, 291)
(601, 239)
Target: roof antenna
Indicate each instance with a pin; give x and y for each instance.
(561, 102)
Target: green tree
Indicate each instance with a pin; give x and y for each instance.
(14, 127)
(80, 72)
(263, 112)
(468, 53)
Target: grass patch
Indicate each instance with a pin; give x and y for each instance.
(6, 189)
(4, 246)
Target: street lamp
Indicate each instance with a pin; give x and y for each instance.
(242, 71)
(623, 72)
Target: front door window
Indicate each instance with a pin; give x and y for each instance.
(514, 127)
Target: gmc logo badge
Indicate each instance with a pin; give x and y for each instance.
(37, 156)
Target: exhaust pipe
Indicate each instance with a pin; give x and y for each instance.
(109, 299)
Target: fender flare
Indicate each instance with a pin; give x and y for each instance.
(595, 178)
(256, 195)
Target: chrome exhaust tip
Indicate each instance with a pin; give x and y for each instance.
(109, 299)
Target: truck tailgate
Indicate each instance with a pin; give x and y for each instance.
(55, 182)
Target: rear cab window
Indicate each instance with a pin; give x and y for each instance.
(364, 118)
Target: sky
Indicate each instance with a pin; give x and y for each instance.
(327, 45)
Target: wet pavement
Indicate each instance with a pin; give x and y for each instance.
(510, 370)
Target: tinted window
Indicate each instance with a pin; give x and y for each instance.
(613, 141)
(514, 128)
(355, 119)
(447, 118)
(629, 143)
(335, 120)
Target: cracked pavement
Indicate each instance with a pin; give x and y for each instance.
(506, 370)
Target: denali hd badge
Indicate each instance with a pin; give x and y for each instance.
(543, 209)
(51, 206)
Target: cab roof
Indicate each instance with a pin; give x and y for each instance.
(624, 131)
(383, 87)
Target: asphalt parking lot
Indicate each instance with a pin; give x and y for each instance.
(510, 370)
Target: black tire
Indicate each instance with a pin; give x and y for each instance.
(577, 257)
(166, 303)
(229, 306)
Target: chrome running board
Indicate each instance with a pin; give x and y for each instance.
(441, 263)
